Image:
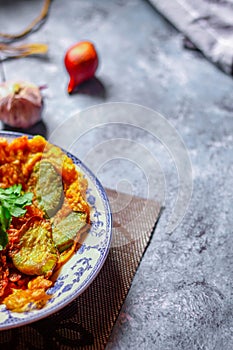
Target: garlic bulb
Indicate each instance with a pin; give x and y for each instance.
(21, 104)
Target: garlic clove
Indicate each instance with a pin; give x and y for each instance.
(21, 104)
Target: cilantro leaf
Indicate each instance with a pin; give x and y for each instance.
(12, 203)
(4, 224)
(3, 239)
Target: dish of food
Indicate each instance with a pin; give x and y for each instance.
(55, 228)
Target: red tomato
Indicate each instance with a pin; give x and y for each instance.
(81, 62)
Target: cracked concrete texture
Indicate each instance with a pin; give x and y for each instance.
(181, 297)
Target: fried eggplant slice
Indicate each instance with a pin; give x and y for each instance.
(66, 231)
(48, 187)
(36, 253)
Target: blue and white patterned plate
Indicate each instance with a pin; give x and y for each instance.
(78, 273)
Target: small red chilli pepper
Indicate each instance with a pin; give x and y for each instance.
(81, 62)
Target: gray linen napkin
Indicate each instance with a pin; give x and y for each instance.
(208, 24)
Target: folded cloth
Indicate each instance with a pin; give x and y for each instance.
(208, 24)
(86, 323)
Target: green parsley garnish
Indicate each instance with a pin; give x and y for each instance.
(12, 203)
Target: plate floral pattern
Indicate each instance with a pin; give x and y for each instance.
(78, 273)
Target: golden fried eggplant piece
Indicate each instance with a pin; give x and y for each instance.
(48, 187)
(35, 253)
(66, 230)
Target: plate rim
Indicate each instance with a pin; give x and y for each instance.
(98, 267)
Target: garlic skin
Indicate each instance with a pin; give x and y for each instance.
(21, 104)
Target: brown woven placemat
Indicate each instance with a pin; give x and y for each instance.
(87, 322)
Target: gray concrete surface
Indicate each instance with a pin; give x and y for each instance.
(181, 296)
